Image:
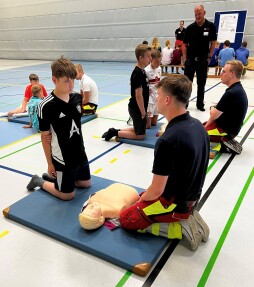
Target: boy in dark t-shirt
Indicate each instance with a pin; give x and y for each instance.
(139, 98)
(59, 119)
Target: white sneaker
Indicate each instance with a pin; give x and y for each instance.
(202, 226)
(190, 232)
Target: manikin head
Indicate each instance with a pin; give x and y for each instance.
(91, 216)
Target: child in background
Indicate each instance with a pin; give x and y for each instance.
(226, 54)
(153, 73)
(37, 96)
(155, 44)
(242, 54)
(22, 110)
(167, 54)
(214, 59)
(176, 58)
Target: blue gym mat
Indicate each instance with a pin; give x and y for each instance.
(12, 132)
(149, 140)
(59, 219)
(26, 120)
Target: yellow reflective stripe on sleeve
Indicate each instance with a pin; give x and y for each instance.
(157, 208)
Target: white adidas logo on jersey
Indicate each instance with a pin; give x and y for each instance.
(61, 115)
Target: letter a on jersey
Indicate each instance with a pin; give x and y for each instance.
(74, 129)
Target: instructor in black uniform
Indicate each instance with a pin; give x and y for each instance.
(198, 45)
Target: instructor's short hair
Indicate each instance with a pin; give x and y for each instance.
(236, 67)
(179, 87)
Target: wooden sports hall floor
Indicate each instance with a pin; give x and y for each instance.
(31, 259)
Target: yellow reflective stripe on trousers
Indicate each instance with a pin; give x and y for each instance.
(157, 208)
(169, 230)
(215, 132)
(156, 229)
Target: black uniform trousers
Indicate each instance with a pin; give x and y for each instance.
(198, 65)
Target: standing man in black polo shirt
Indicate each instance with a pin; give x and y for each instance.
(199, 43)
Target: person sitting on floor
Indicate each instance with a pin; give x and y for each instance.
(32, 107)
(88, 90)
(182, 152)
(107, 204)
(227, 117)
(34, 80)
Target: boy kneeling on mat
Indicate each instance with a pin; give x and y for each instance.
(60, 124)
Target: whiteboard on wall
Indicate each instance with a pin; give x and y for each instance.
(230, 26)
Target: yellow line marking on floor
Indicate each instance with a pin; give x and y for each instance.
(127, 151)
(96, 137)
(113, 160)
(98, 171)
(4, 233)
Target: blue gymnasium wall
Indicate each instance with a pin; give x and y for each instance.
(99, 30)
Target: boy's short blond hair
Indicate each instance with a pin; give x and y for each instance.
(79, 68)
(155, 54)
(141, 49)
(36, 89)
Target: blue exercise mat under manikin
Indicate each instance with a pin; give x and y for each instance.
(149, 140)
(59, 219)
(26, 120)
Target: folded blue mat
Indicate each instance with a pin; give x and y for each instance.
(59, 219)
(149, 140)
(26, 120)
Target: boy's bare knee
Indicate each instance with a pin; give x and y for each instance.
(83, 183)
(141, 137)
(67, 196)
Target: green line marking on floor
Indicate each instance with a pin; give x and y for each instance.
(225, 232)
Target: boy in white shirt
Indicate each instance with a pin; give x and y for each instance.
(153, 73)
(88, 90)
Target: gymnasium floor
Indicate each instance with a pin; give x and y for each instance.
(30, 258)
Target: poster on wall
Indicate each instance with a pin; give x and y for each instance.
(227, 27)
(230, 26)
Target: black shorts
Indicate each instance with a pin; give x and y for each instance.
(139, 124)
(65, 180)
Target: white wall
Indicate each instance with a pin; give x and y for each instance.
(98, 30)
